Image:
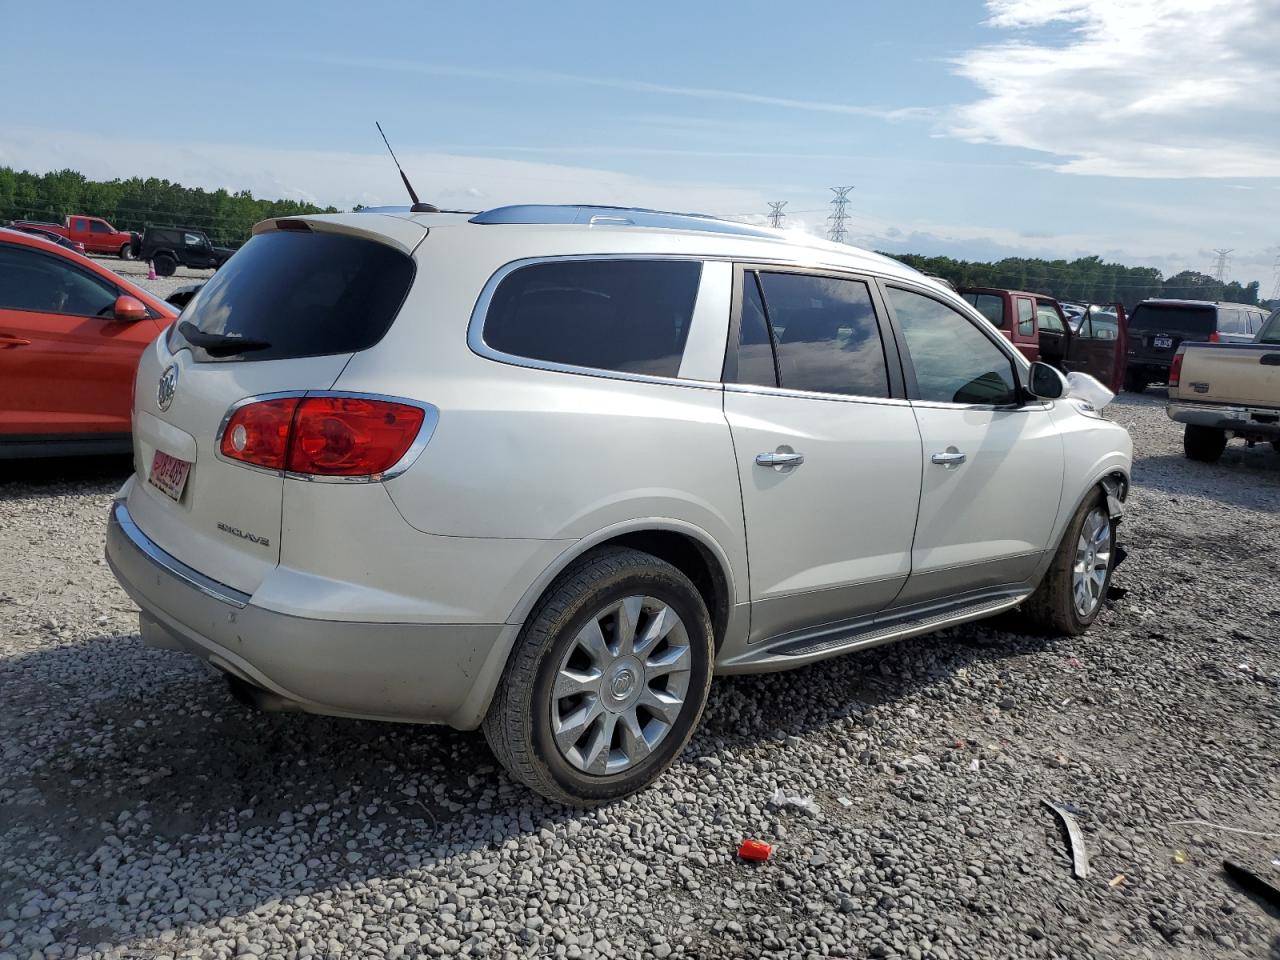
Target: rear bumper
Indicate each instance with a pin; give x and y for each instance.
(1257, 422)
(422, 673)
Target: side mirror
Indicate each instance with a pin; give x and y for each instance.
(129, 309)
(1046, 382)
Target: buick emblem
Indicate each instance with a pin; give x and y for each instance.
(167, 387)
(622, 684)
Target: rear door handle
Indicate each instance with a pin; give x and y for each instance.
(8, 341)
(949, 459)
(779, 459)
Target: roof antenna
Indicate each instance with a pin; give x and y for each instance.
(418, 205)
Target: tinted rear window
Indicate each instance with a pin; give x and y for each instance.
(1163, 318)
(305, 294)
(631, 316)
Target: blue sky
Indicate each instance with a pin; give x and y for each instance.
(1144, 131)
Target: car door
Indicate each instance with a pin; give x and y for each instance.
(827, 448)
(992, 467)
(66, 365)
(1095, 348)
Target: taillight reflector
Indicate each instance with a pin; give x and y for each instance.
(1214, 338)
(258, 433)
(322, 436)
(351, 436)
(1175, 370)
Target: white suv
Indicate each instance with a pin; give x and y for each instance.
(546, 469)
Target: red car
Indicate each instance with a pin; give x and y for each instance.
(96, 234)
(71, 333)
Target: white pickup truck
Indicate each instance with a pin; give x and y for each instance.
(1224, 390)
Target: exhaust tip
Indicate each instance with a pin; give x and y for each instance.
(254, 696)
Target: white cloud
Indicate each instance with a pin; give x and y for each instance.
(1136, 88)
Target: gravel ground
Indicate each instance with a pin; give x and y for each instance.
(144, 813)
(135, 271)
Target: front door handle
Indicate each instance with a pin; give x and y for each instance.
(779, 459)
(952, 458)
(8, 342)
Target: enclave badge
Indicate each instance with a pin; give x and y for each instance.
(167, 387)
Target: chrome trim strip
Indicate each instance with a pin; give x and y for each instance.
(548, 214)
(768, 391)
(431, 418)
(172, 565)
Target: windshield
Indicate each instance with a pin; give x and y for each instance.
(1192, 320)
(1270, 332)
(303, 294)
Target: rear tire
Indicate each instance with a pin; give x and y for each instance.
(1135, 382)
(1275, 445)
(1071, 595)
(1203, 443)
(590, 709)
(165, 265)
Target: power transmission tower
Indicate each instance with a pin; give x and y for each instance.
(1275, 289)
(776, 215)
(839, 214)
(1220, 268)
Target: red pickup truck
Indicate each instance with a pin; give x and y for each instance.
(1094, 344)
(96, 234)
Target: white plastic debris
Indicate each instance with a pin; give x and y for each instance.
(781, 798)
(844, 801)
(975, 764)
(1090, 389)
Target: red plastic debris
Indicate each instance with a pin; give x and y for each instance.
(756, 850)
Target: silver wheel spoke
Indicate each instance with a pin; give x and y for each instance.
(570, 682)
(595, 756)
(591, 639)
(1092, 563)
(674, 658)
(665, 706)
(656, 630)
(627, 619)
(634, 744)
(569, 730)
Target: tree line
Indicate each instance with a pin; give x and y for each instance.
(137, 203)
(1084, 280)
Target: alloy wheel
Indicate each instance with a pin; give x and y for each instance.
(1093, 560)
(621, 685)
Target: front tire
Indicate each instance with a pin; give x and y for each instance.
(1070, 597)
(126, 251)
(1135, 382)
(1203, 443)
(607, 680)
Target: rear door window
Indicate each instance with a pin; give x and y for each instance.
(1047, 318)
(303, 295)
(826, 334)
(630, 316)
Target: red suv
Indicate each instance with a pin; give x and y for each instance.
(71, 333)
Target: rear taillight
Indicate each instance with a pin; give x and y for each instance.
(323, 436)
(258, 433)
(1175, 369)
(351, 436)
(1214, 338)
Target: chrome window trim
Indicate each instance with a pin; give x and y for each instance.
(814, 395)
(431, 418)
(478, 346)
(172, 565)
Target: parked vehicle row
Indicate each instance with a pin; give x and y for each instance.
(1223, 389)
(93, 233)
(1158, 327)
(545, 470)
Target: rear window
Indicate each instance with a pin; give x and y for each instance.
(1167, 318)
(631, 316)
(989, 305)
(303, 294)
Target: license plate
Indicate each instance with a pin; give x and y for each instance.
(168, 474)
(1162, 343)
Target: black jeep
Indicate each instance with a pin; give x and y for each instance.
(166, 247)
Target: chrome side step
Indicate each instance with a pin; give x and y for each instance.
(800, 647)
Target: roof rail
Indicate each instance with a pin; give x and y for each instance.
(591, 215)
